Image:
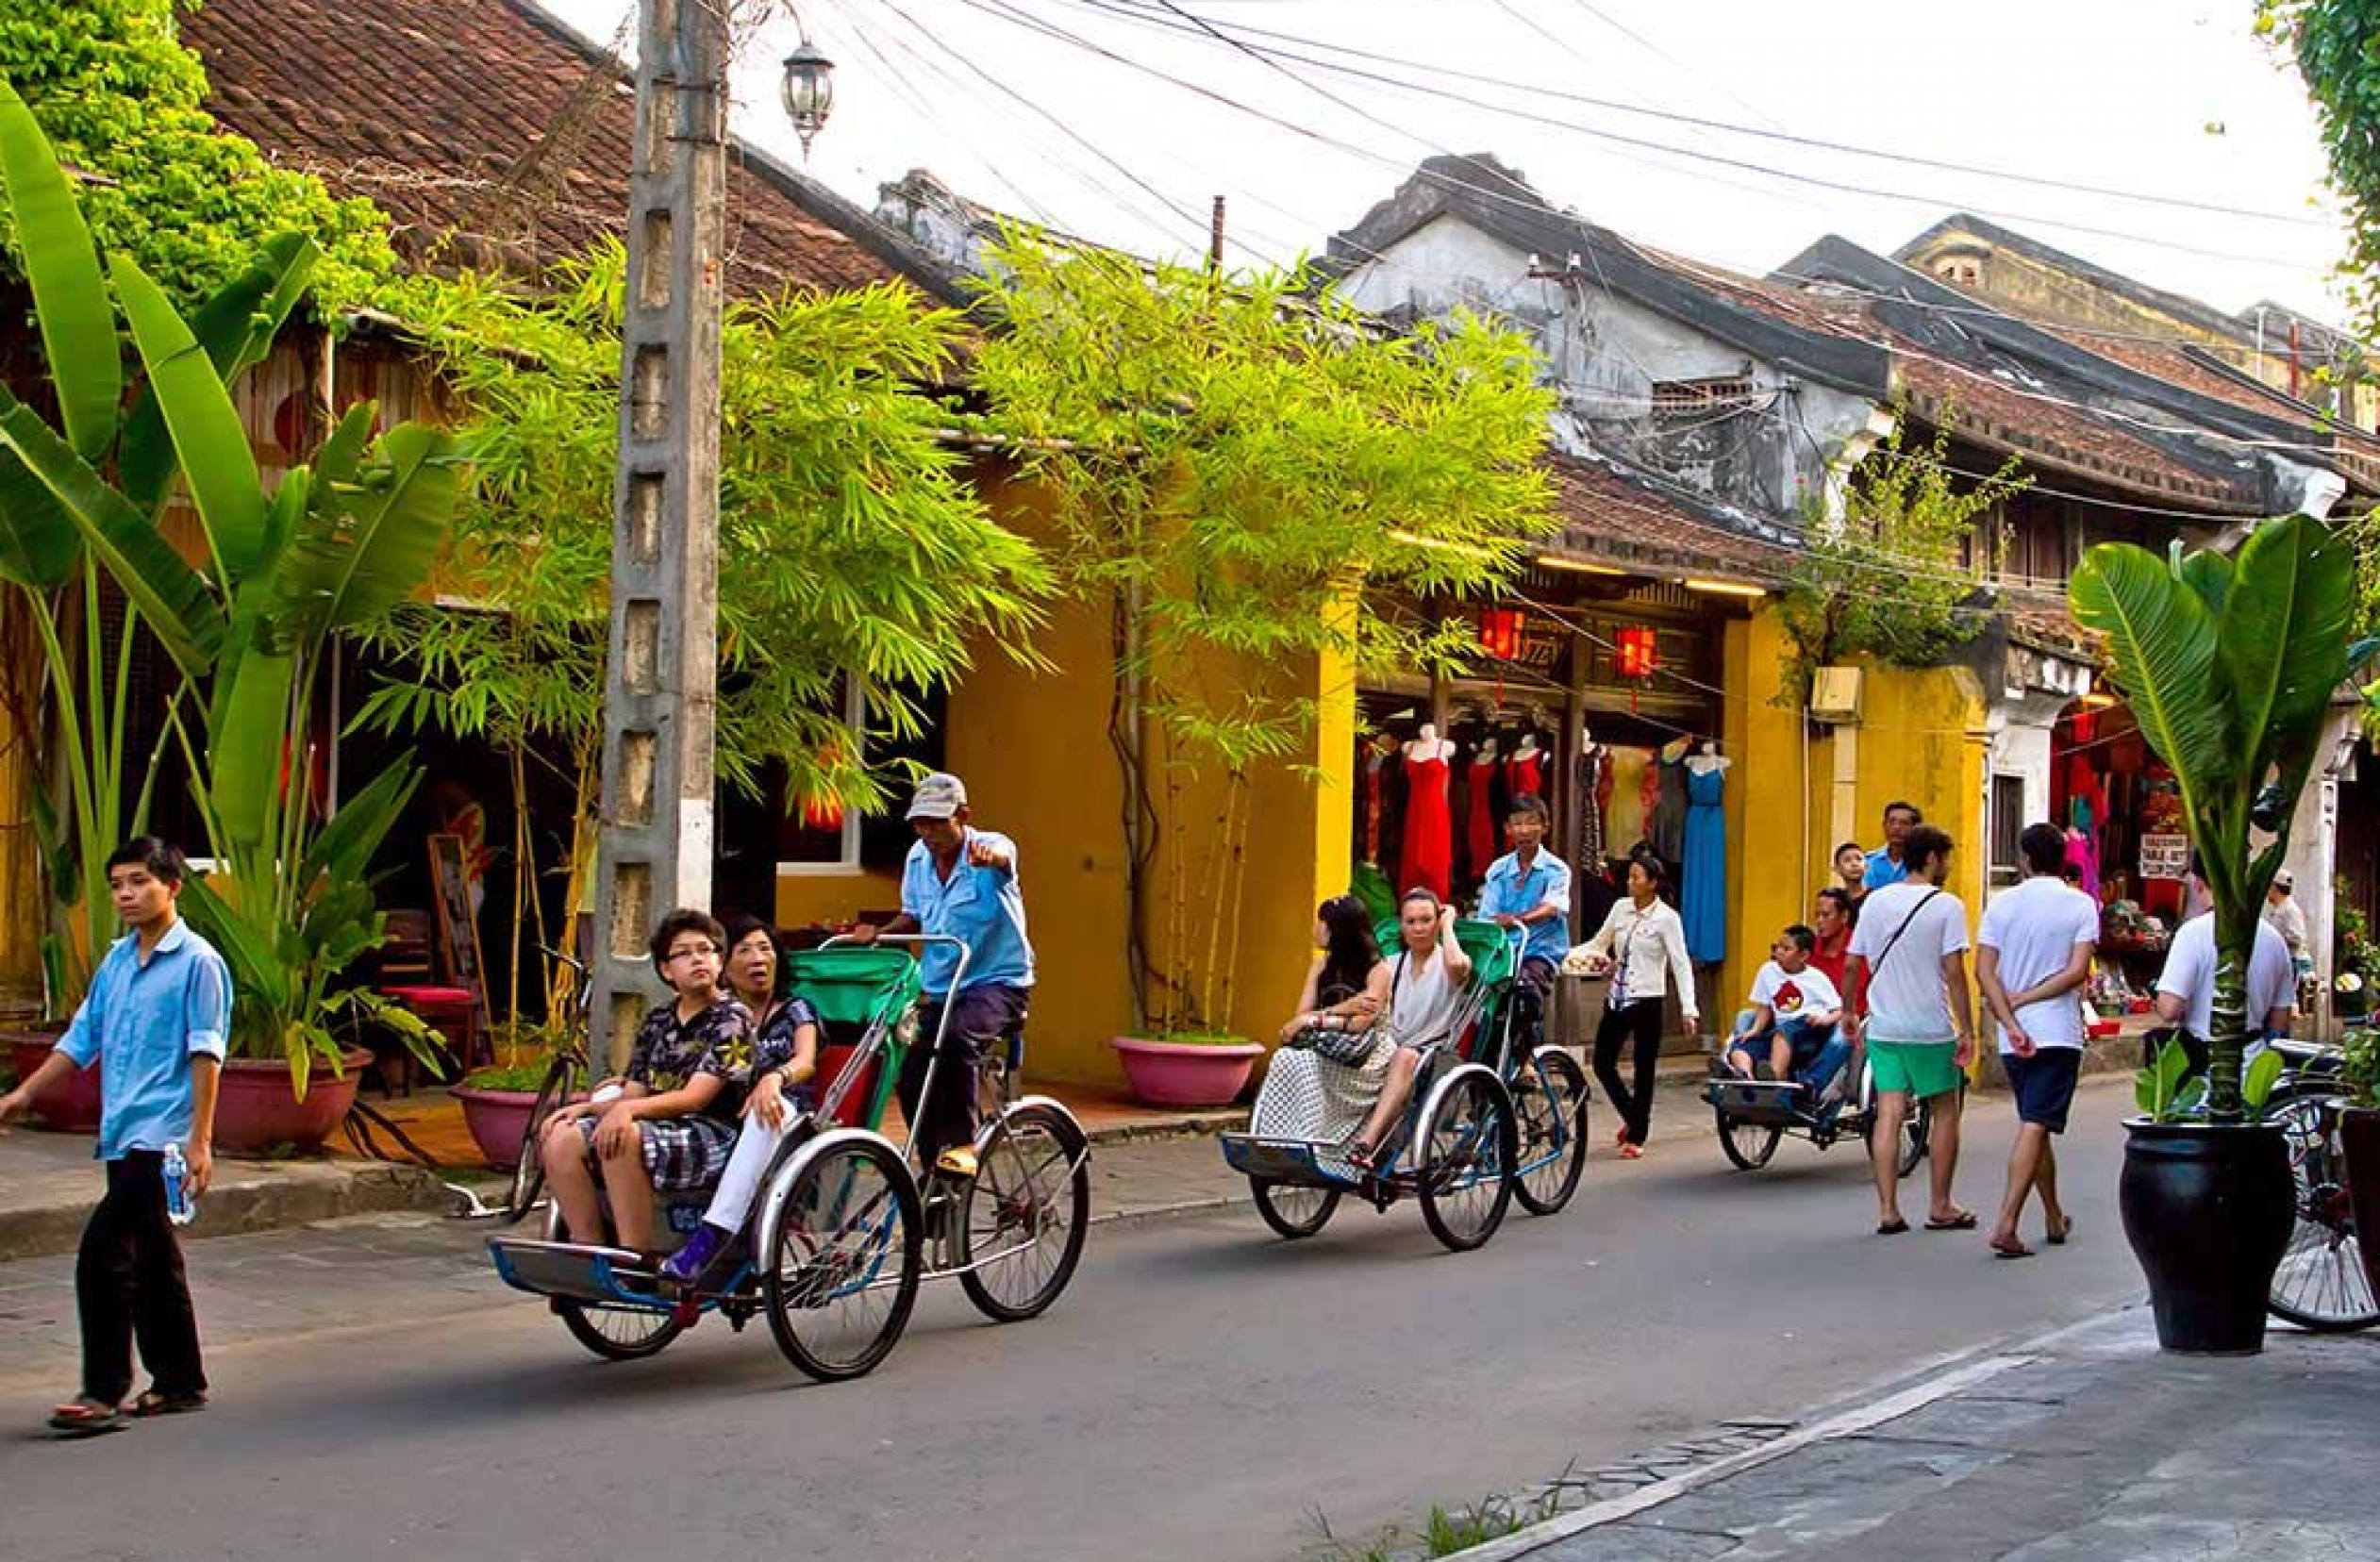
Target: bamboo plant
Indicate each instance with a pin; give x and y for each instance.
(2229, 665)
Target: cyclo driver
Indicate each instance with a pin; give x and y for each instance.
(959, 882)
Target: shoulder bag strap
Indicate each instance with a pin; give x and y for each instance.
(1924, 901)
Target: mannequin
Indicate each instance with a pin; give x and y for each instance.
(1666, 829)
(1525, 774)
(1427, 860)
(1703, 900)
(1375, 800)
(1479, 817)
(1707, 759)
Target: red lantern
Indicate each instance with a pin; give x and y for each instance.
(1637, 654)
(1499, 632)
(821, 813)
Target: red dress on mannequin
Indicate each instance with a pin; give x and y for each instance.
(1427, 862)
(1525, 774)
(1479, 818)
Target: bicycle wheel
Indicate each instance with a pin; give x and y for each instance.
(841, 1275)
(1293, 1209)
(1748, 1145)
(1027, 1212)
(1917, 1133)
(1463, 1155)
(528, 1170)
(2320, 1284)
(615, 1334)
(1549, 1103)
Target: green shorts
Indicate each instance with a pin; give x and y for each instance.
(1922, 1069)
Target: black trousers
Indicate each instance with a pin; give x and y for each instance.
(979, 1017)
(129, 1284)
(1638, 1024)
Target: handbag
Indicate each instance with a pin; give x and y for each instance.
(1349, 1049)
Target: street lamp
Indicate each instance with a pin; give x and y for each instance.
(809, 91)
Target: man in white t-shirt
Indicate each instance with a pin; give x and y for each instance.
(2186, 988)
(2033, 954)
(1791, 1023)
(1909, 960)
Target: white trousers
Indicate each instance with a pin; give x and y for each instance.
(755, 1146)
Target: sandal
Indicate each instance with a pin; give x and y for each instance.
(156, 1402)
(86, 1417)
(2013, 1248)
(1891, 1228)
(2057, 1237)
(1359, 1154)
(1632, 1151)
(1963, 1221)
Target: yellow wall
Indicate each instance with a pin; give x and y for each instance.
(1921, 737)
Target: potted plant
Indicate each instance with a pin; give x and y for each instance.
(1187, 1069)
(498, 1099)
(330, 548)
(2351, 983)
(2229, 665)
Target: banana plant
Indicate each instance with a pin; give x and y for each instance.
(52, 577)
(2229, 665)
(282, 571)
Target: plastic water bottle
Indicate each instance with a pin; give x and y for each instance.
(180, 1207)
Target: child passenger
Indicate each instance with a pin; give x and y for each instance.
(1795, 1009)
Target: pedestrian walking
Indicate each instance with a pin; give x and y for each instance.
(1908, 969)
(154, 1021)
(2033, 954)
(2186, 988)
(1641, 945)
(1889, 862)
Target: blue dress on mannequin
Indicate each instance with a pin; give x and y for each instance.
(1703, 898)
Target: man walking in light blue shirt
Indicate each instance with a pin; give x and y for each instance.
(1529, 888)
(154, 1023)
(959, 882)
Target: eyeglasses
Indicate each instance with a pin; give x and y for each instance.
(691, 951)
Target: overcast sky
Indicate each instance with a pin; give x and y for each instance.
(2169, 98)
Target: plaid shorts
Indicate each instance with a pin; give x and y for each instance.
(680, 1153)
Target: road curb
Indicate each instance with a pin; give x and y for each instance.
(248, 1197)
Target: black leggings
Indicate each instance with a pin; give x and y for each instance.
(1642, 1022)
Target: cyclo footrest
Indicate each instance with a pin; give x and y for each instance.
(581, 1272)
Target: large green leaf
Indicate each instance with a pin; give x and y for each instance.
(173, 598)
(246, 946)
(209, 443)
(364, 550)
(345, 847)
(2163, 639)
(69, 297)
(2284, 638)
(245, 751)
(39, 544)
(236, 326)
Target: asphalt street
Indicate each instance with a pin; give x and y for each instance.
(1202, 1390)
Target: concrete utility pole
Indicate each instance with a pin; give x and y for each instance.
(661, 687)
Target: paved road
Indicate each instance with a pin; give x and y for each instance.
(1202, 1392)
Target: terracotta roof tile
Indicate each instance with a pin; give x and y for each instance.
(1613, 519)
(491, 122)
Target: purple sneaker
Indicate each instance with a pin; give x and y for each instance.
(686, 1264)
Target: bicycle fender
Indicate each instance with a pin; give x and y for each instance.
(781, 1181)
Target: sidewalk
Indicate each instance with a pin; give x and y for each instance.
(1147, 1163)
(2088, 1443)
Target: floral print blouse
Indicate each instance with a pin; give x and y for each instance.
(669, 1052)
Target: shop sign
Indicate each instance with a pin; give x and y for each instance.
(2165, 856)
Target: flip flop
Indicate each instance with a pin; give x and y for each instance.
(2011, 1249)
(1963, 1221)
(156, 1402)
(1632, 1151)
(2057, 1237)
(86, 1417)
(1891, 1228)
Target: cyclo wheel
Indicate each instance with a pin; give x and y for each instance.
(1293, 1210)
(615, 1334)
(2320, 1284)
(1026, 1211)
(1464, 1149)
(1549, 1103)
(1917, 1133)
(1747, 1145)
(528, 1171)
(841, 1274)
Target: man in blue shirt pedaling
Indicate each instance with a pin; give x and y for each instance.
(155, 1022)
(960, 882)
(1885, 865)
(1529, 888)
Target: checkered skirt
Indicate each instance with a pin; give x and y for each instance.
(680, 1153)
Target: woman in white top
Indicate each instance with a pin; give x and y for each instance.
(1426, 981)
(1641, 945)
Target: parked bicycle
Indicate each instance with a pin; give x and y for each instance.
(2320, 1284)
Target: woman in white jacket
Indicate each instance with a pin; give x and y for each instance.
(1641, 945)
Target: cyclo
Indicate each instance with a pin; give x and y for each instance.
(1754, 1114)
(1493, 1118)
(847, 1224)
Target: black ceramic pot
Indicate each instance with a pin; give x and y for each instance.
(2208, 1210)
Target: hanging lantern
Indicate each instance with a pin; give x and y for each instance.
(1636, 656)
(808, 91)
(1499, 632)
(824, 814)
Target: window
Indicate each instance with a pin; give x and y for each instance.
(1701, 397)
(2007, 825)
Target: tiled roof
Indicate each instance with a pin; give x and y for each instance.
(494, 134)
(1613, 519)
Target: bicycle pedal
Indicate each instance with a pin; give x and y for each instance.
(959, 1161)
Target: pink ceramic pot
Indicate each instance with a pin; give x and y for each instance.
(256, 1111)
(70, 1107)
(1180, 1073)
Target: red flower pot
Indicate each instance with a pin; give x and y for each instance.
(71, 1107)
(1183, 1073)
(256, 1111)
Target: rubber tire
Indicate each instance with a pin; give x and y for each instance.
(1288, 1230)
(897, 1176)
(2316, 1323)
(1745, 1160)
(529, 1172)
(1060, 1124)
(1471, 1084)
(582, 1328)
(1573, 1078)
